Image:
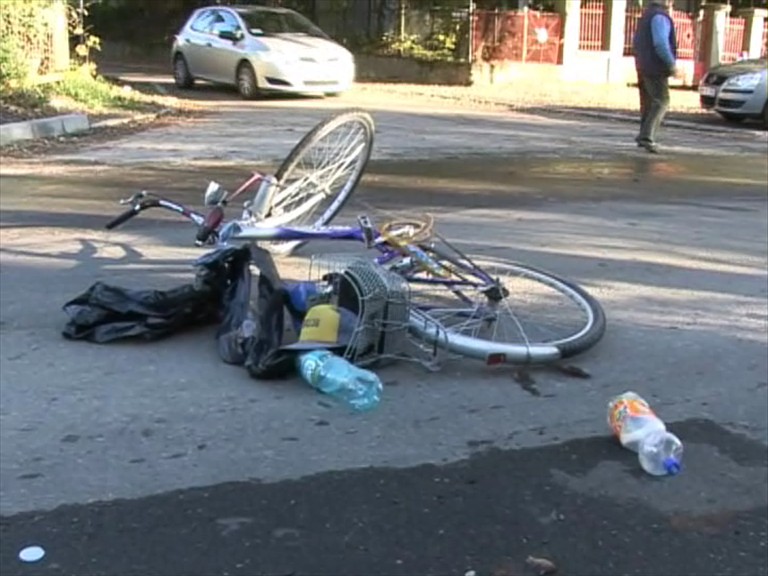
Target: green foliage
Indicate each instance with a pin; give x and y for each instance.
(13, 70)
(23, 29)
(436, 47)
(435, 34)
(77, 28)
(85, 89)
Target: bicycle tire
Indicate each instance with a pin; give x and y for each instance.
(348, 117)
(432, 331)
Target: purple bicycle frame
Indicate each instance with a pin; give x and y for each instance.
(357, 233)
(288, 233)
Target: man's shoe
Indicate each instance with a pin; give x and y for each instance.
(649, 146)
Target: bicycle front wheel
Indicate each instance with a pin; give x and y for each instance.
(320, 174)
(504, 312)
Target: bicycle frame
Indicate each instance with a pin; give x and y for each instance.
(241, 230)
(236, 230)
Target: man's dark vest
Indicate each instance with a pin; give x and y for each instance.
(647, 61)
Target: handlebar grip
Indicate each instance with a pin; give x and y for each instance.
(127, 215)
(210, 224)
(203, 233)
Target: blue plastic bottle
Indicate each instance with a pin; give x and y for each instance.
(333, 375)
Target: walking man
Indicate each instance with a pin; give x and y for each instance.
(655, 50)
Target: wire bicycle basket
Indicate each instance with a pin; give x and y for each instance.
(381, 300)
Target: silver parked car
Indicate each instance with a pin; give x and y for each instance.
(260, 49)
(737, 91)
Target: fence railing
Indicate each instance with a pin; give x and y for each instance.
(631, 19)
(591, 25)
(764, 52)
(685, 31)
(734, 39)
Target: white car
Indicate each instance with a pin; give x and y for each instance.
(260, 49)
(737, 91)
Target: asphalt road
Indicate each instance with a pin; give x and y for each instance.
(159, 459)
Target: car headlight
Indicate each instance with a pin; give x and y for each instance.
(276, 57)
(743, 81)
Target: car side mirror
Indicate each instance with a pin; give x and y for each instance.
(233, 35)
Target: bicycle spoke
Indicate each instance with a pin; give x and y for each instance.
(324, 175)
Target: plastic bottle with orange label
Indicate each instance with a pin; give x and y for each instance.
(639, 429)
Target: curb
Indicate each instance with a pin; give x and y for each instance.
(149, 116)
(43, 128)
(667, 121)
(66, 124)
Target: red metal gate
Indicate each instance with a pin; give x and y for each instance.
(734, 39)
(517, 36)
(685, 31)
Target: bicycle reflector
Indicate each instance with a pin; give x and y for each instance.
(495, 359)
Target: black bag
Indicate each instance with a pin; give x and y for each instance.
(264, 359)
(104, 312)
(221, 292)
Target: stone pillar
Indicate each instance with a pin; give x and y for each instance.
(570, 12)
(753, 30)
(613, 38)
(713, 28)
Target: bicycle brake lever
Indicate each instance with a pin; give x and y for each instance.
(133, 199)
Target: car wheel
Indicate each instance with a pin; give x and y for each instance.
(247, 85)
(735, 118)
(181, 75)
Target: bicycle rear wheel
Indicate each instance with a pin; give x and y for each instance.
(320, 174)
(503, 312)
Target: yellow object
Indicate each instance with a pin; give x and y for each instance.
(325, 326)
(321, 324)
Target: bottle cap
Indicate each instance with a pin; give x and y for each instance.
(31, 554)
(672, 466)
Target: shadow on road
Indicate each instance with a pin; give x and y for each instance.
(584, 505)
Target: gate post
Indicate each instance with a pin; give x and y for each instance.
(710, 41)
(753, 30)
(615, 16)
(570, 12)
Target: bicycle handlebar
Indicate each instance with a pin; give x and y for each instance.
(144, 200)
(127, 215)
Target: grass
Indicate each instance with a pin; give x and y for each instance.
(79, 89)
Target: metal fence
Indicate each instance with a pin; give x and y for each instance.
(685, 31)
(734, 39)
(591, 25)
(518, 36)
(387, 27)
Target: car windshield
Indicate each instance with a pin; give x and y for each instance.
(267, 22)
